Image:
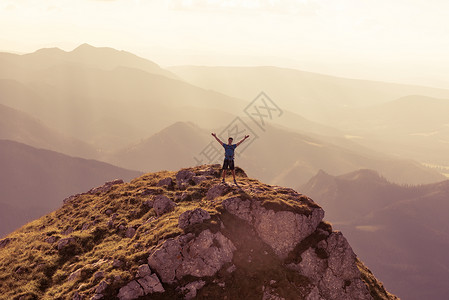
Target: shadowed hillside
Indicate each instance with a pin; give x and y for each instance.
(21, 127)
(34, 181)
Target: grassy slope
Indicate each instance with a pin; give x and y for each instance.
(32, 267)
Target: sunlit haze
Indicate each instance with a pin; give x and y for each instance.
(400, 41)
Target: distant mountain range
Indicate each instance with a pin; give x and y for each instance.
(402, 231)
(35, 181)
(403, 120)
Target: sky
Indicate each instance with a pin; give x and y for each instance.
(389, 40)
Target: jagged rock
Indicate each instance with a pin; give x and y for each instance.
(99, 274)
(217, 191)
(130, 232)
(108, 212)
(192, 288)
(191, 217)
(63, 243)
(282, 230)
(151, 284)
(131, 291)
(75, 275)
(183, 177)
(162, 204)
(335, 277)
(143, 270)
(102, 286)
(165, 182)
(189, 255)
(199, 179)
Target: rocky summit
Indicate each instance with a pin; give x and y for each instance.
(184, 235)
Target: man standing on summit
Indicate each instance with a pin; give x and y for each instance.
(229, 155)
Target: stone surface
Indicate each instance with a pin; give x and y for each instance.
(131, 291)
(192, 217)
(282, 230)
(130, 232)
(165, 182)
(192, 288)
(189, 255)
(151, 284)
(143, 270)
(63, 243)
(162, 204)
(183, 177)
(101, 287)
(75, 275)
(336, 277)
(217, 191)
(199, 179)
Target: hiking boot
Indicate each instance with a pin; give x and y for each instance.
(222, 181)
(235, 181)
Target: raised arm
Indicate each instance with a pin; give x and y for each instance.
(218, 140)
(246, 136)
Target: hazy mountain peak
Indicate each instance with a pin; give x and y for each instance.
(184, 234)
(48, 51)
(84, 47)
(361, 175)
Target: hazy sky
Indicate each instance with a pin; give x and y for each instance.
(401, 40)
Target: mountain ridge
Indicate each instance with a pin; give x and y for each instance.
(185, 235)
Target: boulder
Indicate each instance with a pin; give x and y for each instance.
(191, 217)
(143, 270)
(165, 182)
(131, 291)
(217, 191)
(188, 255)
(184, 176)
(63, 243)
(199, 179)
(162, 204)
(282, 230)
(101, 287)
(130, 232)
(75, 275)
(151, 284)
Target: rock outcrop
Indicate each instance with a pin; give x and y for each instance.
(185, 235)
